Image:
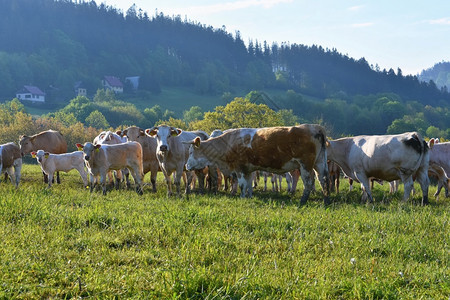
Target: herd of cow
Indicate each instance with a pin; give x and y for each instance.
(236, 154)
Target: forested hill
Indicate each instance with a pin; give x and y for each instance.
(439, 73)
(54, 44)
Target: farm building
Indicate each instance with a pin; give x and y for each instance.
(31, 93)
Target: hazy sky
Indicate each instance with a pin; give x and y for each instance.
(408, 34)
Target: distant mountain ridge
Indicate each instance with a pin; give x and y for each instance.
(439, 73)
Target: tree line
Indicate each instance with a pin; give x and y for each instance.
(53, 44)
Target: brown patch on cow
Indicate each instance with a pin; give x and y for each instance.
(274, 147)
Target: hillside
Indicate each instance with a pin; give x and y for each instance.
(181, 63)
(439, 74)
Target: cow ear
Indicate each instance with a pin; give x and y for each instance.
(79, 146)
(197, 142)
(33, 154)
(46, 154)
(97, 147)
(152, 131)
(431, 143)
(175, 131)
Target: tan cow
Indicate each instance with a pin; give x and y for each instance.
(50, 141)
(100, 159)
(275, 149)
(11, 162)
(149, 145)
(384, 157)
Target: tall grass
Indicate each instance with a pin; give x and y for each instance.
(66, 242)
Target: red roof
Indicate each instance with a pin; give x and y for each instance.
(114, 81)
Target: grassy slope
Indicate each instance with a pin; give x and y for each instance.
(66, 242)
(175, 99)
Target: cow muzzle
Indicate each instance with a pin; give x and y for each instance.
(86, 157)
(163, 148)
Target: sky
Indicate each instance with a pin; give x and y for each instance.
(411, 35)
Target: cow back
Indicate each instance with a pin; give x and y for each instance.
(10, 152)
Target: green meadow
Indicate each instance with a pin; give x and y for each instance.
(66, 242)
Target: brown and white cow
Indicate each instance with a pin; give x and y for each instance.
(385, 157)
(149, 145)
(65, 162)
(275, 149)
(11, 162)
(100, 159)
(50, 141)
(172, 154)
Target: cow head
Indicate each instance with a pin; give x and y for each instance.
(88, 149)
(40, 155)
(134, 133)
(26, 144)
(196, 160)
(163, 134)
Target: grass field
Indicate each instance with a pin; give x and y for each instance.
(68, 243)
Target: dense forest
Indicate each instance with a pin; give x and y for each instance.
(54, 44)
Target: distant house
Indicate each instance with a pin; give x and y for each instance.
(80, 89)
(31, 93)
(134, 82)
(112, 83)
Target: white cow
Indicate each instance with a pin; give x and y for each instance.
(100, 159)
(51, 163)
(172, 154)
(385, 157)
(440, 155)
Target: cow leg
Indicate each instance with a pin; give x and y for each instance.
(83, 175)
(365, 186)
(153, 180)
(103, 182)
(137, 176)
(168, 182)
(92, 181)
(308, 182)
(17, 170)
(177, 181)
(10, 173)
(295, 176)
(50, 179)
(58, 180)
(201, 180)
(190, 176)
(265, 174)
(45, 177)
(321, 167)
(424, 181)
(245, 183)
(118, 179)
(126, 173)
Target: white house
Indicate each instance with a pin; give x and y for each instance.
(31, 93)
(113, 83)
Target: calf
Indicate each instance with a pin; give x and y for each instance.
(276, 149)
(11, 162)
(100, 159)
(385, 157)
(51, 163)
(51, 141)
